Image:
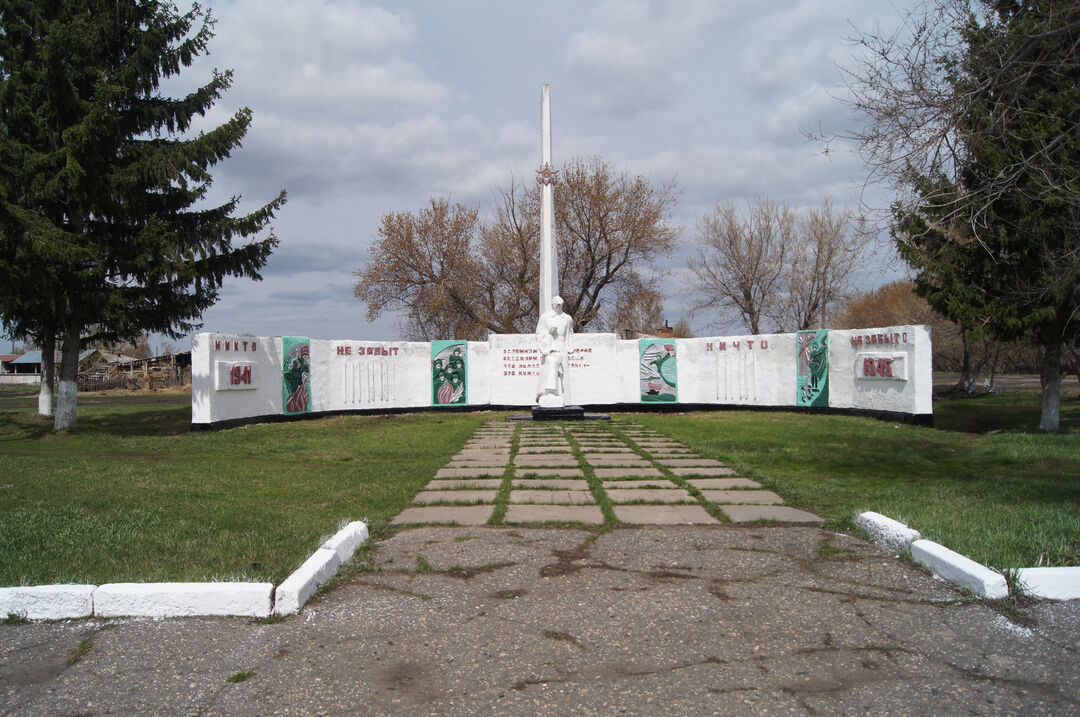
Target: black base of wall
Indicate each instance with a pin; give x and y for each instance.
(596, 412)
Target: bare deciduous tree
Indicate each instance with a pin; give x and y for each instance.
(739, 262)
(424, 264)
(451, 276)
(639, 311)
(774, 267)
(818, 267)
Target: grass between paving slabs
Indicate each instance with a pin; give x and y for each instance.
(502, 497)
(595, 484)
(710, 507)
(134, 496)
(982, 482)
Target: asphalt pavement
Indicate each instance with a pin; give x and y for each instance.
(694, 619)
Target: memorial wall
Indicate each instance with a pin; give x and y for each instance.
(241, 378)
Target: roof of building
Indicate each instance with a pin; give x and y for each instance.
(28, 357)
(35, 357)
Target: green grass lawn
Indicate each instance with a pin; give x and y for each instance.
(134, 496)
(982, 482)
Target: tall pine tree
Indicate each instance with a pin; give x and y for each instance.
(998, 245)
(104, 232)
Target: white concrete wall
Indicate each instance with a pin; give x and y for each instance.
(628, 372)
(480, 375)
(358, 375)
(214, 398)
(881, 369)
(20, 379)
(737, 370)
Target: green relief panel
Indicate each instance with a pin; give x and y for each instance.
(296, 374)
(449, 373)
(812, 367)
(659, 382)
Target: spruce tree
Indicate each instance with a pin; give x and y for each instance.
(997, 246)
(104, 231)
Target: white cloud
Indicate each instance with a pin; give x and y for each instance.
(360, 109)
(315, 58)
(635, 60)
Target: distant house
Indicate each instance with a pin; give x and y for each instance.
(29, 362)
(102, 369)
(23, 369)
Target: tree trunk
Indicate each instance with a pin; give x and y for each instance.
(67, 396)
(965, 364)
(1050, 376)
(991, 388)
(47, 342)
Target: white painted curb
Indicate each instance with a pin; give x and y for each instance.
(961, 570)
(59, 602)
(302, 584)
(890, 533)
(182, 599)
(347, 540)
(320, 567)
(48, 602)
(1050, 583)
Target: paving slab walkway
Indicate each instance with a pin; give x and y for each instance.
(612, 473)
(672, 620)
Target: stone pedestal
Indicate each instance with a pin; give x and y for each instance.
(558, 413)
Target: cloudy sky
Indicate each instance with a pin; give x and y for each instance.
(361, 108)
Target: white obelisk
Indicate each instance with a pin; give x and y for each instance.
(549, 270)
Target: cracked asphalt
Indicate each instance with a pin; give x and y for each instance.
(725, 619)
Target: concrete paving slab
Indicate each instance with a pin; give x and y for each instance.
(463, 483)
(690, 463)
(479, 463)
(490, 458)
(459, 514)
(704, 471)
(552, 497)
(779, 513)
(545, 449)
(659, 495)
(554, 513)
(563, 472)
(455, 496)
(749, 497)
(722, 483)
(599, 459)
(627, 472)
(545, 460)
(474, 472)
(638, 483)
(558, 483)
(663, 514)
